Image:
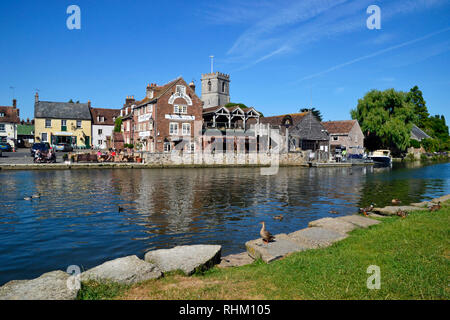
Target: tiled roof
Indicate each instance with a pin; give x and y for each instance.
(11, 115)
(158, 91)
(281, 119)
(108, 114)
(339, 127)
(62, 110)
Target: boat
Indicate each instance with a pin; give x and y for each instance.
(381, 157)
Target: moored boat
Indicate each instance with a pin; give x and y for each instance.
(381, 157)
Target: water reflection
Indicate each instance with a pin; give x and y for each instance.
(77, 221)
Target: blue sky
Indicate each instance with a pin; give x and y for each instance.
(282, 56)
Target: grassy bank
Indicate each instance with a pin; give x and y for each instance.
(412, 253)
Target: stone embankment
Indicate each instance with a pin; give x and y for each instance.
(59, 285)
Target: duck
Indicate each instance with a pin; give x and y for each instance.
(402, 214)
(333, 212)
(396, 201)
(365, 210)
(435, 207)
(27, 198)
(36, 195)
(120, 209)
(265, 234)
(279, 217)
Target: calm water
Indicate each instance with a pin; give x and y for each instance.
(76, 220)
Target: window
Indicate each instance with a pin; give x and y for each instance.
(48, 123)
(181, 90)
(186, 129)
(78, 123)
(150, 126)
(335, 138)
(100, 131)
(100, 142)
(209, 85)
(223, 86)
(2, 127)
(63, 125)
(167, 147)
(2, 114)
(192, 147)
(180, 109)
(173, 128)
(44, 137)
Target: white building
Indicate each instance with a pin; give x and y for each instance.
(9, 119)
(103, 127)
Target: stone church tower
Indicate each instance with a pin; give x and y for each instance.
(215, 89)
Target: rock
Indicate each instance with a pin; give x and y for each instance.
(316, 237)
(441, 199)
(49, 286)
(423, 204)
(235, 260)
(333, 224)
(185, 258)
(359, 221)
(277, 249)
(376, 215)
(390, 210)
(126, 270)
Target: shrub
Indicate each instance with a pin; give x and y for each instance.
(414, 143)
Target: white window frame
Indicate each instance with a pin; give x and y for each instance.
(46, 137)
(336, 138)
(167, 147)
(2, 114)
(99, 132)
(184, 130)
(4, 127)
(171, 131)
(180, 108)
(48, 125)
(80, 124)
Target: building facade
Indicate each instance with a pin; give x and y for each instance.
(165, 119)
(103, 121)
(215, 89)
(345, 135)
(9, 119)
(62, 122)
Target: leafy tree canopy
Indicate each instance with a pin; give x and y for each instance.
(386, 118)
(420, 109)
(118, 124)
(232, 104)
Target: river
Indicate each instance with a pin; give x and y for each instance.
(77, 221)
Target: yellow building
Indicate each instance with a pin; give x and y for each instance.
(58, 122)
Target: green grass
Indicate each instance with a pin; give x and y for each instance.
(412, 253)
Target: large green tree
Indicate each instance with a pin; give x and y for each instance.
(420, 108)
(386, 118)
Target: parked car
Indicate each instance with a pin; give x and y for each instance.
(5, 147)
(65, 147)
(42, 146)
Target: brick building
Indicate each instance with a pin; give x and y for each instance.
(345, 135)
(165, 119)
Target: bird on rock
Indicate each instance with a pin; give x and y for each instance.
(435, 207)
(396, 201)
(265, 234)
(365, 210)
(402, 214)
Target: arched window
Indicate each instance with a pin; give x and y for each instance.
(209, 85)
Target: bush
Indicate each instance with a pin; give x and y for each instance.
(414, 143)
(423, 157)
(410, 157)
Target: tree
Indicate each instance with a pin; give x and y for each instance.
(314, 111)
(386, 119)
(420, 109)
(118, 124)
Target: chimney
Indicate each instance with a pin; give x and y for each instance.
(192, 85)
(14, 103)
(129, 100)
(89, 104)
(36, 97)
(149, 91)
